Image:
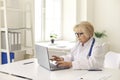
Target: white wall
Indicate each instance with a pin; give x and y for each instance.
(74, 11)
(69, 19)
(81, 13)
(104, 15)
(90, 10)
(107, 17)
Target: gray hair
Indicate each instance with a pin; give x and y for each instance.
(86, 27)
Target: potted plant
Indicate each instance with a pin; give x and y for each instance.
(53, 37)
(100, 34)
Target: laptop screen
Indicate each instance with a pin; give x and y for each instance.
(42, 56)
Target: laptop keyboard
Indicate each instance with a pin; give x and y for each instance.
(54, 66)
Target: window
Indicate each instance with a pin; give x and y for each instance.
(48, 19)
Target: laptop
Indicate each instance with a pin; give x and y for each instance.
(42, 55)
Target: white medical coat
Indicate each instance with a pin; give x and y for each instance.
(81, 60)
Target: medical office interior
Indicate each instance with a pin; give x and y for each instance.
(24, 23)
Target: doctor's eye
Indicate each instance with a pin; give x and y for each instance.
(79, 34)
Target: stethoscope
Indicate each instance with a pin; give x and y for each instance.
(90, 50)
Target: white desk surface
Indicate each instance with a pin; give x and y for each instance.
(58, 45)
(35, 72)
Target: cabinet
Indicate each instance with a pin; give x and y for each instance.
(16, 27)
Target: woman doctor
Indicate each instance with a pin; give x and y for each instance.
(86, 54)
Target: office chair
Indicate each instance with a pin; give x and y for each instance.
(112, 60)
(105, 47)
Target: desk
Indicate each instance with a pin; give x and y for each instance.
(35, 72)
(58, 48)
(8, 77)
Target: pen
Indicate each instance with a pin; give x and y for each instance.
(4, 72)
(81, 78)
(94, 69)
(27, 63)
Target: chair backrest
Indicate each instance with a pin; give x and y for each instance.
(105, 46)
(112, 60)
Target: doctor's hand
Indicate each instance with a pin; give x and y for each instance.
(64, 64)
(56, 58)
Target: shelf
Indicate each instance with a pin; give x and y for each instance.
(15, 10)
(16, 35)
(19, 10)
(11, 9)
(3, 50)
(9, 29)
(2, 29)
(23, 49)
(19, 28)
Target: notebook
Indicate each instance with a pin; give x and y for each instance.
(42, 55)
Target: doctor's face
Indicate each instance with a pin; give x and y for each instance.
(80, 35)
